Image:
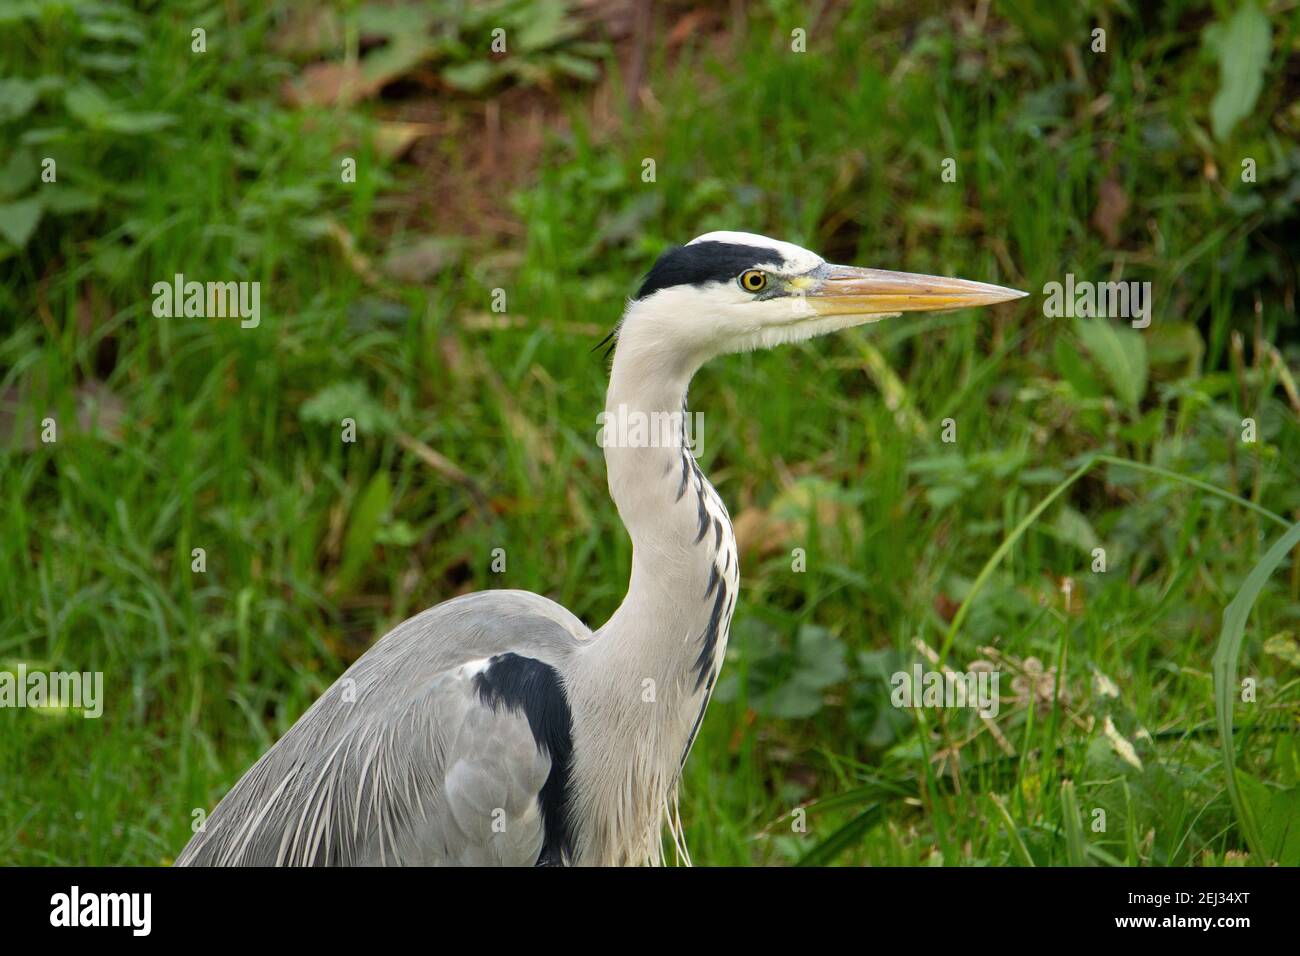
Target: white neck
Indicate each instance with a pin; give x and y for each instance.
(649, 671)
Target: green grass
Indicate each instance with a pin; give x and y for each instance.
(229, 439)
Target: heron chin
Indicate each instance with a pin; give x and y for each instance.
(497, 728)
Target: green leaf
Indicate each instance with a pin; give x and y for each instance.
(16, 11)
(576, 67)
(1120, 353)
(1277, 812)
(341, 400)
(18, 220)
(1176, 344)
(363, 527)
(108, 62)
(44, 134)
(18, 173)
(133, 124)
(87, 103)
(17, 97)
(112, 260)
(820, 664)
(1071, 527)
(1075, 845)
(65, 199)
(108, 31)
(1241, 45)
(1286, 759)
(397, 533)
(405, 28)
(547, 25)
(472, 77)
(1073, 369)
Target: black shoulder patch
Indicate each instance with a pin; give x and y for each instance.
(703, 262)
(524, 684)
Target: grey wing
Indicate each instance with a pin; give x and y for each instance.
(410, 759)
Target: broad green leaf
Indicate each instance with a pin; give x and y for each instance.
(1074, 370)
(1071, 527)
(341, 400)
(88, 103)
(576, 67)
(398, 533)
(406, 30)
(1277, 812)
(1121, 354)
(17, 174)
(820, 664)
(547, 25)
(1241, 45)
(18, 220)
(471, 77)
(17, 97)
(1176, 343)
(65, 199)
(363, 527)
(112, 260)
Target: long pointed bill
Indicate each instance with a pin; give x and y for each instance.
(848, 290)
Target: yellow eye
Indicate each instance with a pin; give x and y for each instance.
(751, 280)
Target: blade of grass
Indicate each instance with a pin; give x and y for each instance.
(846, 836)
(1272, 516)
(1074, 843)
(1017, 844)
(1225, 676)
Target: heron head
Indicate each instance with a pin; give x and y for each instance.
(736, 291)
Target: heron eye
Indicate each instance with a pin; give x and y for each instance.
(751, 280)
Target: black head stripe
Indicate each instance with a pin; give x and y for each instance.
(703, 262)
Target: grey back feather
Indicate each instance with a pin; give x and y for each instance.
(400, 761)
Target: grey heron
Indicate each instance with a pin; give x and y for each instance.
(496, 727)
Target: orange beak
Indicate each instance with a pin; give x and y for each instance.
(849, 290)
